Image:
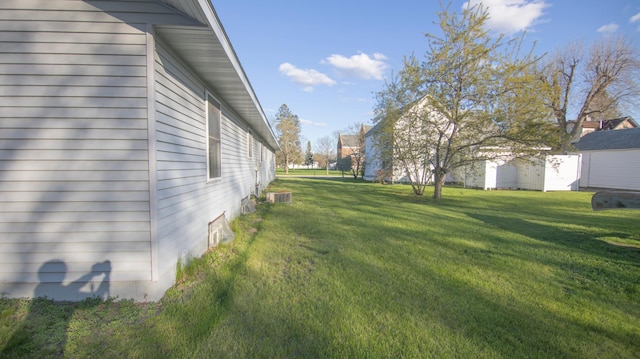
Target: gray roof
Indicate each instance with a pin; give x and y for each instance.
(610, 140)
(349, 140)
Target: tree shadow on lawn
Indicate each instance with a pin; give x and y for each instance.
(349, 187)
(491, 322)
(581, 259)
(429, 300)
(351, 195)
(581, 241)
(575, 255)
(504, 322)
(376, 300)
(488, 323)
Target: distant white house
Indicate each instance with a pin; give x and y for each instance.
(611, 159)
(129, 134)
(590, 125)
(379, 163)
(392, 153)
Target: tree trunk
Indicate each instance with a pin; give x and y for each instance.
(439, 179)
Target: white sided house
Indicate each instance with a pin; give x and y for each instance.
(129, 132)
(611, 159)
(377, 168)
(381, 164)
(394, 154)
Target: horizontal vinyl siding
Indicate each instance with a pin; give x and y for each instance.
(238, 170)
(267, 167)
(187, 200)
(73, 140)
(181, 159)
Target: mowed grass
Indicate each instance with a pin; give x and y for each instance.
(362, 270)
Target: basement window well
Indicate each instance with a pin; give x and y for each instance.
(219, 231)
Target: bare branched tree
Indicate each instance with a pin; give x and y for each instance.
(595, 82)
(325, 151)
(355, 160)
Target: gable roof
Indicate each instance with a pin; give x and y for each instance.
(612, 124)
(348, 140)
(203, 44)
(353, 139)
(610, 140)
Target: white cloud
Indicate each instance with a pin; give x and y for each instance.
(355, 99)
(311, 123)
(635, 17)
(361, 65)
(511, 16)
(608, 28)
(305, 77)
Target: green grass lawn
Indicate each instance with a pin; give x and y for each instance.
(361, 270)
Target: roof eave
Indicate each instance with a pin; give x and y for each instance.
(208, 51)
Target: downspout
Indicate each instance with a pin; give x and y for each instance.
(151, 137)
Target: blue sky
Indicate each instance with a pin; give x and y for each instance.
(326, 60)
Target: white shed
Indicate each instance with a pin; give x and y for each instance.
(611, 159)
(550, 173)
(127, 128)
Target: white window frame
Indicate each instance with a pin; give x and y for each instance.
(249, 144)
(261, 152)
(214, 173)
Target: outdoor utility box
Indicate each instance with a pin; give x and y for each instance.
(279, 197)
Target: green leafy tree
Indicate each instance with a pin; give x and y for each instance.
(287, 128)
(472, 98)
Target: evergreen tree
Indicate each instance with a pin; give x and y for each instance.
(287, 128)
(308, 157)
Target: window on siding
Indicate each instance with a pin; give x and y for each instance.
(249, 145)
(261, 152)
(213, 139)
